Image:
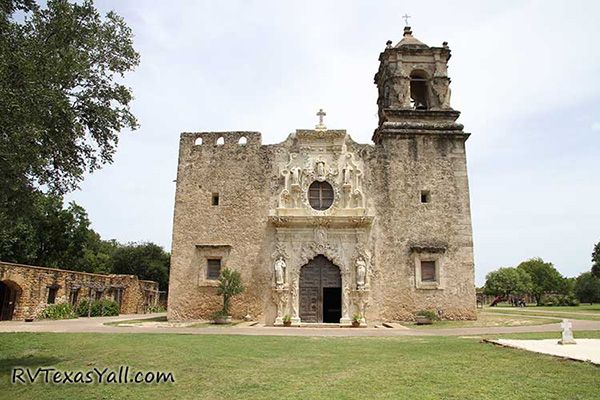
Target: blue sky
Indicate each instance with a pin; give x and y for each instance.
(525, 76)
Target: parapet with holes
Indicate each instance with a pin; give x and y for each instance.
(218, 139)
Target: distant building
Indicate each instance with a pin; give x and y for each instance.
(323, 228)
(26, 290)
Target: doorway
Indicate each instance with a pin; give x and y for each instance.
(9, 293)
(320, 291)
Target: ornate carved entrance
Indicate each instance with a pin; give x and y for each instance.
(320, 291)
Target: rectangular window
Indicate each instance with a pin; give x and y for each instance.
(52, 294)
(118, 295)
(428, 271)
(73, 297)
(425, 196)
(213, 269)
(215, 199)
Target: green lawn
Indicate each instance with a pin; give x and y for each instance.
(250, 367)
(554, 312)
(584, 308)
(485, 319)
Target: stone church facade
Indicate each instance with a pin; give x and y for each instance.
(322, 228)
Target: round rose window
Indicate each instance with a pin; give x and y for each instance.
(320, 195)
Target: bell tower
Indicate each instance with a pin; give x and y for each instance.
(414, 89)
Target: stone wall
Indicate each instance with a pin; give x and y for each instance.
(250, 227)
(33, 284)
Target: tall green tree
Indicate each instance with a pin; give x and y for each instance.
(544, 278)
(49, 234)
(146, 260)
(61, 105)
(587, 288)
(507, 281)
(596, 260)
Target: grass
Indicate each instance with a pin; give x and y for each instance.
(555, 312)
(163, 318)
(251, 367)
(485, 320)
(582, 308)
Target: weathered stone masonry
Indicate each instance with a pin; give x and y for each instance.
(398, 227)
(28, 289)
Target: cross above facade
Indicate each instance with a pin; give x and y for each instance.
(321, 114)
(406, 17)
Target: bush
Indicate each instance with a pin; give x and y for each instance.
(58, 311)
(559, 300)
(99, 308)
(428, 314)
(155, 309)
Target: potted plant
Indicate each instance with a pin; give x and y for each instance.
(287, 320)
(356, 320)
(425, 317)
(230, 284)
(221, 318)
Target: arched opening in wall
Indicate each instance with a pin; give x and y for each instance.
(320, 289)
(10, 293)
(220, 141)
(419, 91)
(198, 141)
(243, 141)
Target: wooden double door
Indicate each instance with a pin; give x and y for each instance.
(320, 291)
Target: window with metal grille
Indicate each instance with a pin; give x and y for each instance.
(428, 271)
(320, 195)
(213, 269)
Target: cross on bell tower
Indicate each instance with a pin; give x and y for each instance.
(405, 17)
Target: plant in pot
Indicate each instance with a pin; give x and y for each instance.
(230, 284)
(425, 317)
(356, 320)
(287, 320)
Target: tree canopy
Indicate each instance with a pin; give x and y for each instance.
(587, 288)
(507, 281)
(596, 260)
(544, 278)
(61, 105)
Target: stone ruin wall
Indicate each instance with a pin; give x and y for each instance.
(32, 284)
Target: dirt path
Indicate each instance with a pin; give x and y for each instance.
(97, 325)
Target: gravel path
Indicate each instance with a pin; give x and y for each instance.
(97, 325)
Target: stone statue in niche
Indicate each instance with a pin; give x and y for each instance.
(361, 273)
(320, 169)
(280, 272)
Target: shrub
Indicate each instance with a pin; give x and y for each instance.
(155, 309)
(58, 311)
(427, 314)
(218, 315)
(559, 300)
(230, 284)
(99, 308)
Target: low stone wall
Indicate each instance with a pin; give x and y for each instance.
(32, 287)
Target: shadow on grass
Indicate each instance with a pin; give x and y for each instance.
(7, 364)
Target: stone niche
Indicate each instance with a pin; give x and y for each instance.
(340, 232)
